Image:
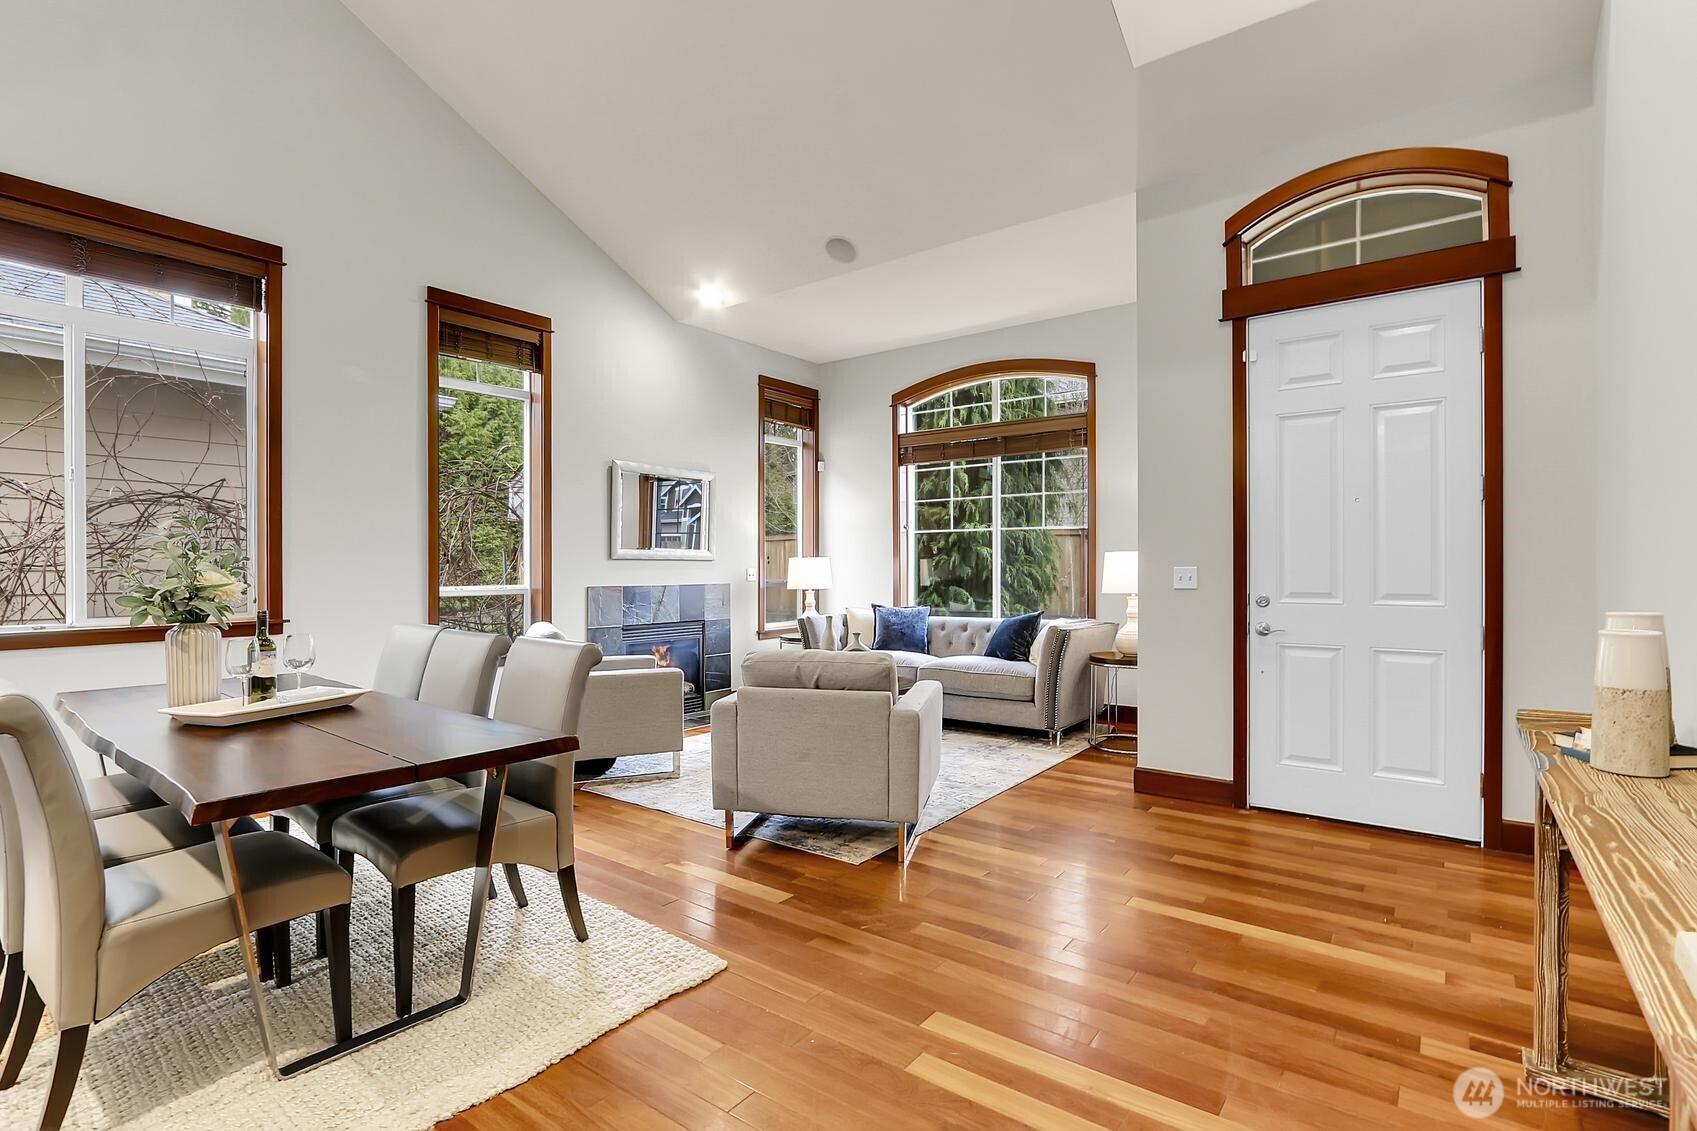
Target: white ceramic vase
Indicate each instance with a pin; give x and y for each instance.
(193, 673)
(1629, 727)
(1125, 641)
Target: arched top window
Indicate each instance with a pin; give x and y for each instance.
(1368, 225)
(1371, 225)
(994, 472)
(1025, 396)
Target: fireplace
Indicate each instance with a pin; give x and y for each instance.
(681, 626)
(678, 645)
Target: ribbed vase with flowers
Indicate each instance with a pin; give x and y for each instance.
(186, 581)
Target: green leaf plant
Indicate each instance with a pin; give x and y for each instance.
(183, 578)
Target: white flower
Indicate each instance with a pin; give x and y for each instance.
(220, 586)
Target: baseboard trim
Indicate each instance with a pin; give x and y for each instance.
(1517, 837)
(1185, 787)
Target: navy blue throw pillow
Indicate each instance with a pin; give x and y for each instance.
(1014, 637)
(906, 629)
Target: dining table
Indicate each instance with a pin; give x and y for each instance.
(218, 775)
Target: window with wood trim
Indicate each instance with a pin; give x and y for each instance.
(789, 496)
(994, 489)
(1367, 227)
(488, 416)
(139, 380)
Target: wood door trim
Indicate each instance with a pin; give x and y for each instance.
(1491, 259)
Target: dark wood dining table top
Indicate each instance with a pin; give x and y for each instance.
(220, 773)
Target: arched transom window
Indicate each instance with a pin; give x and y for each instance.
(1364, 228)
(993, 481)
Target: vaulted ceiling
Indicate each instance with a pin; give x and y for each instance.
(981, 155)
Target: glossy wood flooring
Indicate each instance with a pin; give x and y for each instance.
(1068, 955)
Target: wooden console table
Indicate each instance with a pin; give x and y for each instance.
(1634, 841)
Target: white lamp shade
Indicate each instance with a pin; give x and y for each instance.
(809, 573)
(1119, 571)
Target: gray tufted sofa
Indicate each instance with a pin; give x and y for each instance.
(1050, 692)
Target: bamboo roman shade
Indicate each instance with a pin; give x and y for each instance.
(983, 441)
(479, 339)
(153, 262)
(781, 407)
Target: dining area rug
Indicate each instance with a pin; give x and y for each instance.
(977, 764)
(186, 1052)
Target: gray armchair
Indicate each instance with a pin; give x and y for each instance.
(824, 734)
(632, 706)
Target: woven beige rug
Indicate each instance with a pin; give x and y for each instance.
(978, 763)
(185, 1053)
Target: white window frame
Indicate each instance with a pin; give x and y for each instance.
(524, 395)
(77, 325)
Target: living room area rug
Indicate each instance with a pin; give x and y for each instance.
(185, 1052)
(977, 764)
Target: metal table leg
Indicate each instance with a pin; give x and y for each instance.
(1104, 738)
(489, 822)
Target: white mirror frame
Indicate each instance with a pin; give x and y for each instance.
(616, 511)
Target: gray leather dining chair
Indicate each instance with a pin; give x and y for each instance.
(460, 674)
(114, 793)
(413, 839)
(447, 668)
(94, 937)
(400, 666)
(120, 838)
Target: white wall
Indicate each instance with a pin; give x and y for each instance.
(1185, 420)
(1647, 478)
(290, 123)
(855, 440)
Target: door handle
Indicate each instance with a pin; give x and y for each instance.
(1262, 628)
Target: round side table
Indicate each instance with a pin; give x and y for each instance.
(1104, 693)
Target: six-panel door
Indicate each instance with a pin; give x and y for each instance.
(1365, 562)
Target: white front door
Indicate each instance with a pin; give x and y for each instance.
(1366, 607)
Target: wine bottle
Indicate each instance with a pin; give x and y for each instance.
(262, 682)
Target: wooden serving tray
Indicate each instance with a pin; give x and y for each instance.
(235, 712)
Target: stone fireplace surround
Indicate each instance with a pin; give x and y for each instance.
(683, 612)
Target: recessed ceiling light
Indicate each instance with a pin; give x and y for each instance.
(840, 249)
(713, 296)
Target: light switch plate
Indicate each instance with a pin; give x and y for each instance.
(749, 576)
(1184, 577)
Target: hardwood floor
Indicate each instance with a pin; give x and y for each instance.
(1069, 955)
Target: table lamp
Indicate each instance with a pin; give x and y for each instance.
(809, 575)
(1119, 575)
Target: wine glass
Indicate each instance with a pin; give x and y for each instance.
(299, 654)
(237, 661)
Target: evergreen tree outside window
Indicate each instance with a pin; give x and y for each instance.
(994, 481)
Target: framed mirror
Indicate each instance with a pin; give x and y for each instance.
(661, 512)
